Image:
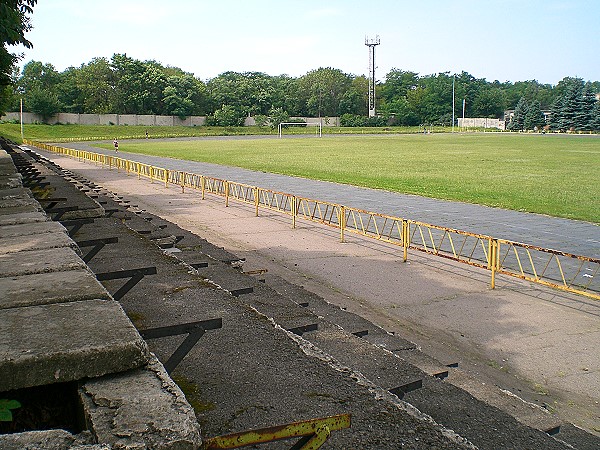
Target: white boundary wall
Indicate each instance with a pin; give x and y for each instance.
(139, 119)
(481, 122)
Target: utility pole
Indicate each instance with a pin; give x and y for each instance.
(372, 43)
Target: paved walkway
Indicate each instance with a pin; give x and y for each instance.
(577, 237)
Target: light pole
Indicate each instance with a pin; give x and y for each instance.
(21, 119)
(453, 78)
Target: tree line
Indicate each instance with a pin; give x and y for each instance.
(125, 85)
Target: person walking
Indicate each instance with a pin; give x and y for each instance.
(116, 144)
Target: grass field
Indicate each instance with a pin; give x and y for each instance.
(548, 174)
(556, 175)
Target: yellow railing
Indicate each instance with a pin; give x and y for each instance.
(565, 271)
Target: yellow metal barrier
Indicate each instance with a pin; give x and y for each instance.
(313, 432)
(568, 272)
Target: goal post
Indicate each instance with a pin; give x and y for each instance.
(318, 125)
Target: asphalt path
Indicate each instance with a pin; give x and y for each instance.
(571, 236)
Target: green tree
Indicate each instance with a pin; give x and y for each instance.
(43, 103)
(322, 90)
(534, 118)
(139, 86)
(184, 96)
(14, 23)
(227, 116)
(96, 86)
(517, 123)
(489, 102)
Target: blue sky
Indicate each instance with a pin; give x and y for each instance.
(506, 40)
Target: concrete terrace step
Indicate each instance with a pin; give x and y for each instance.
(66, 341)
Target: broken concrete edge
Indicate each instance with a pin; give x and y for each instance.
(378, 392)
(124, 421)
(142, 408)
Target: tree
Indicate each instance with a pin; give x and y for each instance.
(14, 23)
(534, 118)
(43, 103)
(489, 102)
(227, 116)
(322, 90)
(184, 96)
(517, 123)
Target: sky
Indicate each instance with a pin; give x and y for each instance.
(508, 40)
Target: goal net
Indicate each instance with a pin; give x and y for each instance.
(318, 125)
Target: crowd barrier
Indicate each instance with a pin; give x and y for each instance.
(556, 269)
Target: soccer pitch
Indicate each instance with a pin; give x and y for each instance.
(556, 175)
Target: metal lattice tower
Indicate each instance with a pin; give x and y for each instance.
(372, 43)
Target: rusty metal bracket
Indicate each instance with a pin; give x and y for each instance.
(194, 330)
(134, 275)
(313, 433)
(97, 245)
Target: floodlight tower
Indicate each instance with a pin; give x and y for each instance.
(372, 43)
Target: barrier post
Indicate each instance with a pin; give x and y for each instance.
(139, 170)
(166, 172)
(342, 221)
(151, 174)
(226, 193)
(294, 211)
(182, 175)
(493, 261)
(202, 185)
(256, 199)
(405, 238)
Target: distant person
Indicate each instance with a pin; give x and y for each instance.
(116, 144)
(146, 134)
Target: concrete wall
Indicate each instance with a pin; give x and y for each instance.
(481, 122)
(145, 120)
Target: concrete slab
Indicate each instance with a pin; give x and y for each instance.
(48, 440)
(10, 231)
(12, 202)
(47, 288)
(142, 408)
(10, 181)
(42, 241)
(12, 210)
(39, 261)
(24, 217)
(65, 342)
(19, 192)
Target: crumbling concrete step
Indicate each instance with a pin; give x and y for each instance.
(525, 412)
(13, 210)
(382, 368)
(142, 408)
(20, 192)
(47, 288)
(26, 217)
(65, 342)
(476, 420)
(35, 242)
(578, 438)
(9, 231)
(10, 181)
(39, 261)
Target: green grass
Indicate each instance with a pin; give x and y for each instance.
(548, 174)
(556, 175)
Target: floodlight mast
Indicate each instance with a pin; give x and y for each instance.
(372, 43)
